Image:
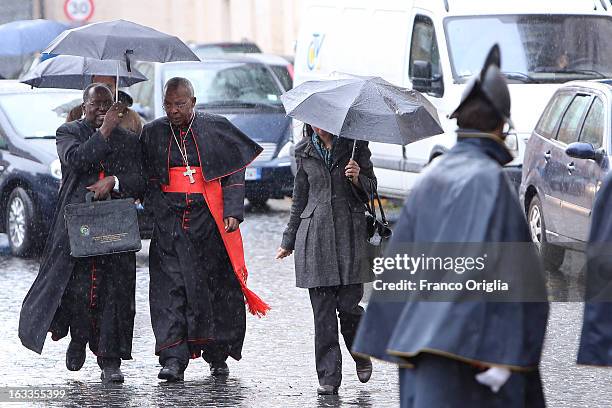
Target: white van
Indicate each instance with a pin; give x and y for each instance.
(435, 46)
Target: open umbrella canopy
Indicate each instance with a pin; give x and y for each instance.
(28, 36)
(121, 40)
(364, 108)
(70, 72)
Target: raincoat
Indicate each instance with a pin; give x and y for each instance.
(462, 197)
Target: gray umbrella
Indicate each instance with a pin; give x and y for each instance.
(70, 72)
(120, 39)
(123, 41)
(364, 108)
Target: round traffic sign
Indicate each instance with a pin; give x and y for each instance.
(79, 10)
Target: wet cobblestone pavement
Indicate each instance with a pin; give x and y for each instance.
(277, 369)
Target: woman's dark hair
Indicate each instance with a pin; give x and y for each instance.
(479, 114)
(307, 130)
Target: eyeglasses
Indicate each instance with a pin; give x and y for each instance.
(179, 106)
(101, 105)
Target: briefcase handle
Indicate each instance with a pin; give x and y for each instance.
(90, 196)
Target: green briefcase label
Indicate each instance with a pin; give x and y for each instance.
(85, 230)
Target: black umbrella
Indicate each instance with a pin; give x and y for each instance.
(70, 72)
(122, 41)
(364, 108)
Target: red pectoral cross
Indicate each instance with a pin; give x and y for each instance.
(189, 173)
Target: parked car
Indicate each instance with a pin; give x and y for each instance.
(206, 50)
(247, 93)
(281, 66)
(30, 171)
(566, 159)
(435, 46)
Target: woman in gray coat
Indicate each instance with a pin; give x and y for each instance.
(327, 231)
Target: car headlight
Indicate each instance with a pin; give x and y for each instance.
(56, 169)
(285, 151)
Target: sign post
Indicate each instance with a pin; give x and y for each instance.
(79, 10)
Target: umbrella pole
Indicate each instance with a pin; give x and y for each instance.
(353, 153)
(117, 84)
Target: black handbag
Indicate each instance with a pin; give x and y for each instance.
(102, 227)
(378, 230)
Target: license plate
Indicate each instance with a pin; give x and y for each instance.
(252, 173)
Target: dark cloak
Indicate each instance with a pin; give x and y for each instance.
(83, 154)
(596, 339)
(186, 304)
(463, 197)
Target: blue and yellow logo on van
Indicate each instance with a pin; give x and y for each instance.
(312, 58)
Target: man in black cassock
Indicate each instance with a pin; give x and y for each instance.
(91, 297)
(465, 353)
(194, 164)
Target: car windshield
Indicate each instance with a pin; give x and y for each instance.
(283, 75)
(230, 84)
(534, 48)
(36, 115)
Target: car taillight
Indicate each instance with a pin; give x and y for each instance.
(290, 70)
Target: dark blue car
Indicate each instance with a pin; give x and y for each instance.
(245, 91)
(30, 170)
(566, 160)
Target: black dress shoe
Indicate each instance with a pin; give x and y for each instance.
(364, 369)
(111, 375)
(172, 372)
(327, 390)
(75, 355)
(219, 368)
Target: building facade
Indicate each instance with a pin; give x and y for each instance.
(271, 24)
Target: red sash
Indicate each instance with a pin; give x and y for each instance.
(213, 194)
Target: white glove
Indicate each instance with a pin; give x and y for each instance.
(494, 378)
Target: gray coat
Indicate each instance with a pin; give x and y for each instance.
(327, 227)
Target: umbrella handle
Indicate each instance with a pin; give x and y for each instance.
(352, 155)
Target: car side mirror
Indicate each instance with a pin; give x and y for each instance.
(582, 150)
(423, 79)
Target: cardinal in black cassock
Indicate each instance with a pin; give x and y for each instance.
(195, 165)
(465, 353)
(92, 297)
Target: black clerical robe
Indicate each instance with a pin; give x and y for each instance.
(196, 298)
(93, 297)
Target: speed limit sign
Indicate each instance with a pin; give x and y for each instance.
(79, 10)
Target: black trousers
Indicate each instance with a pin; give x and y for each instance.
(326, 302)
(79, 308)
(438, 381)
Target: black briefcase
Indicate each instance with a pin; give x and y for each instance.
(102, 227)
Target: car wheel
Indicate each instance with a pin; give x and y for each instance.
(552, 255)
(20, 223)
(258, 200)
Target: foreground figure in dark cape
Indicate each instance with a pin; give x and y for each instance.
(596, 339)
(442, 347)
(92, 297)
(194, 164)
